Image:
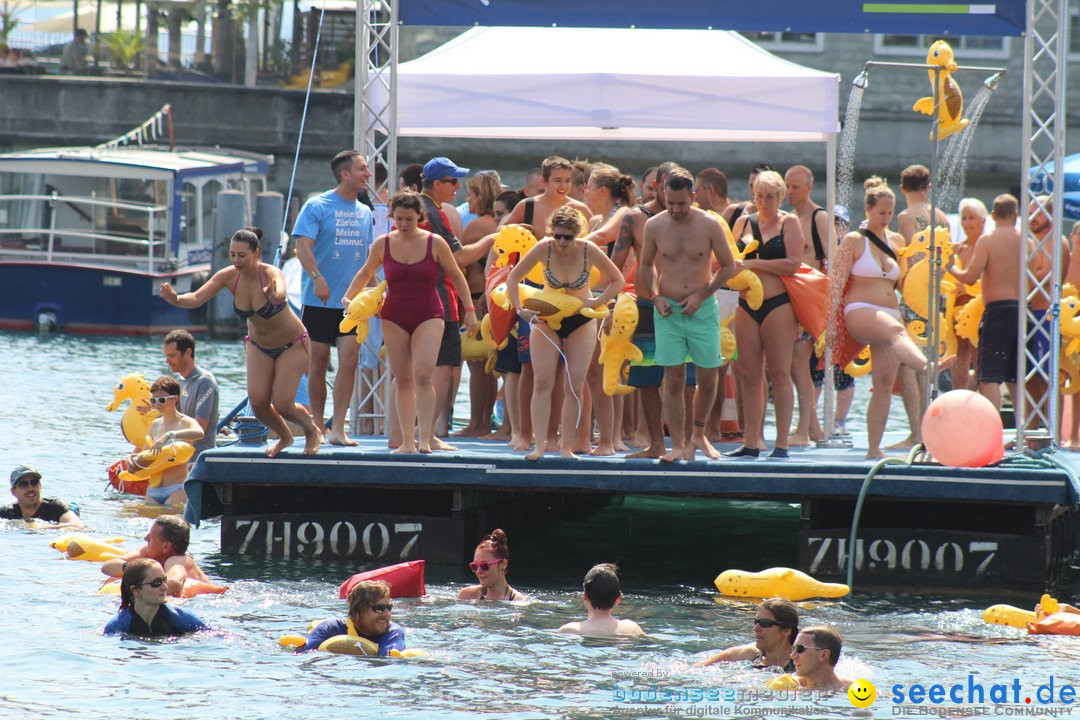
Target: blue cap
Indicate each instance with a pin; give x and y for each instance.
(842, 213)
(22, 471)
(439, 168)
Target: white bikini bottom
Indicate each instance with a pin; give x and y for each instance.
(870, 306)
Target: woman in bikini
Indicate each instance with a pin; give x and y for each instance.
(491, 563)
(766, 336)
(871, 313)
(413, 315)
(568, 261)
(276, 345)
(776, 623)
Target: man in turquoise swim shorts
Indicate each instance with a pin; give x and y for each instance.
(678, 260)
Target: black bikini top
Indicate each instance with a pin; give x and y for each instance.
(581, 281)
(773, 249)
(267, 311)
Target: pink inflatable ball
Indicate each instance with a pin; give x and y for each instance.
(962, 429)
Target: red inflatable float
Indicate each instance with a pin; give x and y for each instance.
(131, 487)
(405, 579)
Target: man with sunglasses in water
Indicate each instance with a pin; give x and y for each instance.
(167, 542)
(369, 618)
(26, 487)
(776, 624)
(815, 654)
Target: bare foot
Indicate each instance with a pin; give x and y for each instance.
(567, 454)
(497, 435)
(648, 452)
(702, 443)
(875, 454)
(393, 444)
(620, 446)
(312, 440)
(282, 443)
(535, 455)
(583, 449)
(905, 444)
(798, 441)
(467, 432)
(603, 451)
(404, 450)
(341, 439)
(672, 456)
(423, 449)
(519, 443)
(438, 444)
(552, 444)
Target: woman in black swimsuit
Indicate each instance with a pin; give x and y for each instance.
(491, 562)
(776, 624)
(568, 261)
(766, 336)
(276, 345)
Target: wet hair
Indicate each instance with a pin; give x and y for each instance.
(566, 217)
(785, 613)
(135, 572)
(182, 339)
(510, 199)
(679, 179)
(407, 200)
(915, 178)
(486, 185)
(166, 384)
(621, 187)
(770, 179)
(579, 171)
(975, 204)
(342, 161)
(250, 235)
(876, 189)
(827, 638)
(714, 179)
(1006, 207)
(176, 530)
(554, 162)
(413, 175)
(365, 593)
(495, 542)
(602, 586)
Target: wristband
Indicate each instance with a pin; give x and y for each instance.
(316, 275)
(470, 309)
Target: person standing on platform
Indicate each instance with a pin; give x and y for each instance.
(29, 504)
(198, 387)
(333, 236)
(996, 262)
(685, 311)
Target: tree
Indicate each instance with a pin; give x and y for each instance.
(8, 22)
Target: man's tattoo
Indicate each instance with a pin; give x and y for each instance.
(625, 238)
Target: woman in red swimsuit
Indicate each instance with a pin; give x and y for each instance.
(412, 312)
(276, 344)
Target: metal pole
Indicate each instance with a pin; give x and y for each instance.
(830, 246)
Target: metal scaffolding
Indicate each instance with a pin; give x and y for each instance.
(1045, 48)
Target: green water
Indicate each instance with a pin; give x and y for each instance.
(491, 661)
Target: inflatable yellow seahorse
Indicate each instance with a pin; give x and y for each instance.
(616, 347)
(918, 276)
(361, 309)
(951, 101)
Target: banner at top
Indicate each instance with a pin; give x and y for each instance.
(932, 17)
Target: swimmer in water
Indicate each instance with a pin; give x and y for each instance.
(776, 624)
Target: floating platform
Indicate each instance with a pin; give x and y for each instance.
(1009, 526)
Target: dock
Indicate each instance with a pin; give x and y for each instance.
(1012, 525)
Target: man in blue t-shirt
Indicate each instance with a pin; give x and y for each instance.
(369, 617)
(333, 237)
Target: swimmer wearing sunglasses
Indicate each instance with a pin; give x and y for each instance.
(776, 624)
(491, 562)
(143, 609)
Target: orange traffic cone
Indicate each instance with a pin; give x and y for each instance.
(729, 415)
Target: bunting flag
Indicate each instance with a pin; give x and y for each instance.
(150, 131)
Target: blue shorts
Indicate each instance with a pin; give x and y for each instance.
(524, 356)
(162, 493)
(653, 375)
(1038, 343)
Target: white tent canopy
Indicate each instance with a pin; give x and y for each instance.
(611, 84)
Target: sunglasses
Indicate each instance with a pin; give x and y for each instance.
(387, 607)
(155, 583)
(161, 400)
(800, 648)
(452, 181)
(563, 236)
(767, 623)
(32, 482)
(483, 566)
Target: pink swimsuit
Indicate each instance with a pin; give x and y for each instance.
(411, 290)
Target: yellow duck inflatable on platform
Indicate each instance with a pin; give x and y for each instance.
(553, 305)
(744, 280)
(150, 465)
(516, 239)
(134, 424)
(361, 309)
(917, 278)
(779, 582)
(950, 109)
(84, 547)
(1069, 357)
(616, 347)
(475, 348)
(729, 348)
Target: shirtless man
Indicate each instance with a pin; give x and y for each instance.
(711, 190)
(601, 594)
(996, 263)
(685, 312)
(167, 542)
(816, 652)
(915, 184)
(1041, 295)
(648, 185)
(814, 219)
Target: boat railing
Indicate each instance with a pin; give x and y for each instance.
(129, 234)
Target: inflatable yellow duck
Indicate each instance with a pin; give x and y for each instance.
(150, 465)
(1016, 617)
(729, 348)
(474, 348)
(744, 280)
(134, 424)
(616, 347)
(779, 582)
(84, 547)
(361, 309)
(516, 239)
(553, 305)
(951, 101)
